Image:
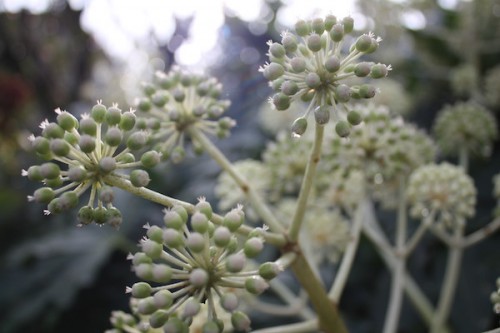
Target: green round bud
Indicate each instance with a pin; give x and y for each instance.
(173, 220)
(107, 164)
(106, 194)
(68, 200)
(151, 248)
(276, 84)
(127, 121)
(289, 88)
(179, 95)
(161, 273)
(330, 21)
(85, 215)
(87, 143)
(233, 220)
(88, 126)
(298, 64)
(98, 113)
(44, 195)
(211, 327)
(71, 138)
(115, 218)
(140, 258)
(240, 321)
(277, 50)
(175, 325)
(54, 182)
(314, 42)
(113, 116)
(289, 42)
(322, 114)
(158, 318)
(141, 124)
(148, 88)
(155, 233)
(367, 91)
(281, 101)
(318, 25)
(150, 159)
(343, 128)
(342, 93)
(199, 277)
(113, 136)
(273, 71)
(163, 299)
(137, 140)
(229, 302)
(379, 71)
(354, 118)
(302, 28)
(332, 64)
(199, 222)
(67, 121)
(54, 206)
(160, 98)
(313, 80)
(363, 43)
(34, 173)
(337, 32)
(141, 290)
(173, 238)
(348, 24)
(222, 236)
(53, 131)
(144, 271)
(41, 145)
(50, 170)
(236, 262)
(269, 270)
(143, 104)
(195, 242)
(204, 207)
(146, 306)
(191, 308)
(125, 158)
(253, 247)
(100, 215)
(299, 126)
(362, 69)
(256, 285)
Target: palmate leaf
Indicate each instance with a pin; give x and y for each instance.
(43, 275)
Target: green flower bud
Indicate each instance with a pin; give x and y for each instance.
(314, 42)
(127, 121)
(141, 290)
(41, 145)
(88, 126)
(54, 206)
(139, 178)
(343, 128)
(318, 25)
(354, 118)
(367, 91)
(302, 28)
(240, 321)
(256, 285)
(160, 98)
(146, 306)
(299, 126)
(179, 95)
(348, 23)
(195, 242)
(281, 101)
(113, 136)
(137, 140)
(363, 43)
(155, 233)
(100, 215)
(85, 215)
(54, 182)
(98, 113)
(44, 195)
(140, 258)
(273, 71)
(158, 319)
(253, 247)
(87, 143)
(163, 299)
(175, 325)
(379, 71)
(199, 222)
(107, 164)
(332, 64)
(322, 114)
(191, 308)
(362, 69)
(204, 207)
(125, 158)
(144, 271)
(161, 273)
(211, 327)
(289, 42)
(113, 116)
(68, 200)
(148, 88)
(173, 238)
(71, 138)
(313, 80)
(67, 121)
(53, 131)
(198, 277)
(298, 64)
(342, 93)
(143, 104)
(34, 173)
(277, 50)
(330, 21)
(229, 302)
(337, 32)
(152, 248)
(222, 236)
(269, 270)
(50, 170)
(115, 218)
(289, 88)
(235, 262)
(233, 220)
(150, 159)
(173, 220)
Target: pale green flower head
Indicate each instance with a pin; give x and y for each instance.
(492, 86)
(464, 79)
(465, 125)
(442, 192)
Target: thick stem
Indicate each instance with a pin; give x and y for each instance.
(450, 281)
(307, 183)
(329, 317)
(257, 203)
(349, 255)
(396, 296)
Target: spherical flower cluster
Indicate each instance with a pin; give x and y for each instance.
(465, 125)
(311, 66)
(443, 191)
(495, 298)
(94, 149)
(492, 86)
(230, 194)
(193, 261)
(178, 100)
(346, 189)
(464, 79)
(383, 147)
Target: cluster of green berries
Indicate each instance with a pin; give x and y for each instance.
(82, 154)
(442, 191)
(311, 66)
(177, 100)
(465, 125)
(194, 261)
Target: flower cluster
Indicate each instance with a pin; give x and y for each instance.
(311, 66)
(93, 149)
(464, 79)
(465, 125)
(177, 100)
(193, 262)
(492, 86)
(443, 191)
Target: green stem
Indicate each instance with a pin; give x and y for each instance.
(349, 255)
(306, 326)
(396, 296)
(329, 318)
(307, 183)
(257, 203)
(145, 193)
(450, 281)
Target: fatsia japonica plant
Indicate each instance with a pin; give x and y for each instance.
(311, 196)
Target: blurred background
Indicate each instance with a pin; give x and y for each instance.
(55, 277)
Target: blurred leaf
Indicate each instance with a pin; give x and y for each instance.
(45, 274)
